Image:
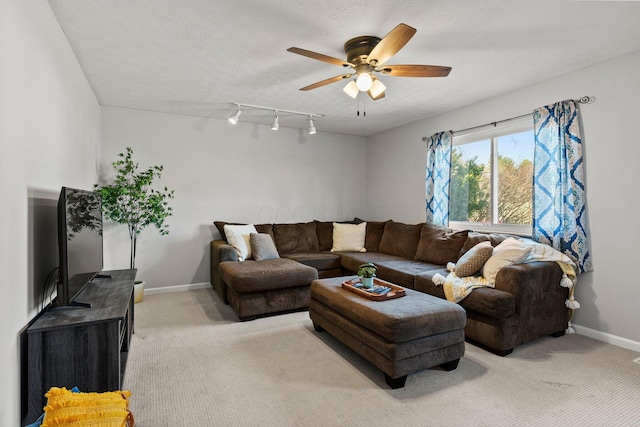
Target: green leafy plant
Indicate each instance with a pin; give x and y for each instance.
(367, 270)
(132, 201)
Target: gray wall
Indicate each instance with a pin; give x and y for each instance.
(246, 173)
(609, 296)
(49, 137)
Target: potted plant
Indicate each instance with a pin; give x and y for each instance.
(367, 272)
(132, 201)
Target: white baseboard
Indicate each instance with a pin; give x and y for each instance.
(608, 338)
(176, 288)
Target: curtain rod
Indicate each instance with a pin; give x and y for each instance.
(581, 100)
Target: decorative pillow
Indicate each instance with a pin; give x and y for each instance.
(262, 228)
(509, 252)
(238, 237)
(439, 245)
(66, 407)
(473, 260)
(349, 237)
(262, 247)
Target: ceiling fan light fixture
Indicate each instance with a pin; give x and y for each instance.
(351, 89)
(312, 128)
(275, 125)
(364, 81)
(233, 119)
(377, 88)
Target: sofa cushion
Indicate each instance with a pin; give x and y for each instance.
(473, 260)
(402, 272)
(374, 235)
(318, 260)
(509, 252)
(257, 276)
(295, 238)
(475, 237)
(348, 237)
(324, 231)
(238, 237)
(423, 282)
(485, 301)
(352, 260)
(262, 247)
(400, 239)
(440, 245)
(260, 228)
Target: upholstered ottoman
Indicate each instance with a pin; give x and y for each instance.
(256, 288)
(399, 336)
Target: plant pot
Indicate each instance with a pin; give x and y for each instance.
(138, 291)
(367, 282)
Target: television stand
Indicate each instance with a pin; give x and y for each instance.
(85, 347)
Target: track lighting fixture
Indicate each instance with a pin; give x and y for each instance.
(233, 119)
(312, 128)
(275, 125)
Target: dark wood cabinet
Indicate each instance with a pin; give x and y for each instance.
(82, 347)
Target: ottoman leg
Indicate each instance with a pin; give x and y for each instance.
(317, 327)
(450, 366)
(395, 383)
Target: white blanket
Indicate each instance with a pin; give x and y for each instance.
(458, 288)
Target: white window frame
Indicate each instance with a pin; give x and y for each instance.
(492, 132)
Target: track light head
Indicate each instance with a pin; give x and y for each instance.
(312, 128)
(275, 125)
(233, 119)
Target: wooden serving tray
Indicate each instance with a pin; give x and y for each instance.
(395, 292)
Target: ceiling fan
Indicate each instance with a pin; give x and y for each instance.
(369, 54)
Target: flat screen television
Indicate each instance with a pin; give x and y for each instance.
(79, 242)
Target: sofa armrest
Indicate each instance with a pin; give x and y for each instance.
(220, 251)
(539, 298)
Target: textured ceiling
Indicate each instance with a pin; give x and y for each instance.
(198, 57)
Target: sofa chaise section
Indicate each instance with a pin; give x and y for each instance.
(256, 288)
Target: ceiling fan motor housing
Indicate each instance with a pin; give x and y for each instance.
(358, 49)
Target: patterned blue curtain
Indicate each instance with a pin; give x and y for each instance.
(559, 205)
(438, 178)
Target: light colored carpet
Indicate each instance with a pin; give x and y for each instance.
(192, 363)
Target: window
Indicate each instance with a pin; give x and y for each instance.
(492, 178)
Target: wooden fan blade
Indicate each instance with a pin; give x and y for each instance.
(327, 81)
(390, 44)
(319, 57)
(415, 70)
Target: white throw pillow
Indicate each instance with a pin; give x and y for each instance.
(349, 237)
(510, 251)
(238, 237)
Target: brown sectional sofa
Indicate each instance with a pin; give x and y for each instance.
(527, 301)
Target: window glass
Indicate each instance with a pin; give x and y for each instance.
(470, 190)
(515, 178)
(492, 179)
